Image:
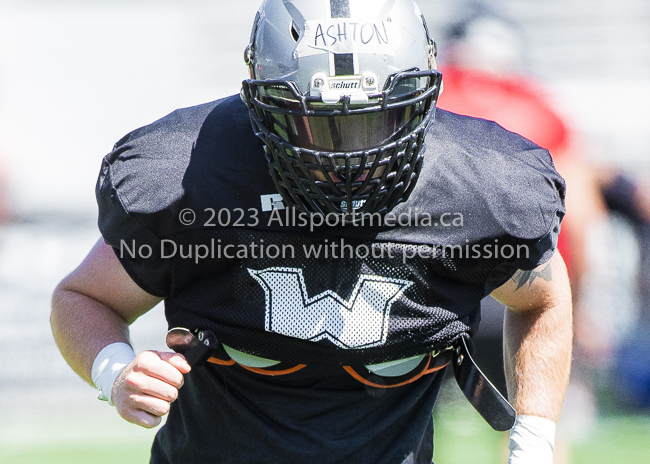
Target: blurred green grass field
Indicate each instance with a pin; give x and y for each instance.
(132, 453)
(618, 440)
(96, 435)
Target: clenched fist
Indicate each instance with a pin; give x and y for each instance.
(143, 392)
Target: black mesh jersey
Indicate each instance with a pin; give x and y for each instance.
(192, 213)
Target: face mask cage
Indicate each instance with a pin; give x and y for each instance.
(345, 158)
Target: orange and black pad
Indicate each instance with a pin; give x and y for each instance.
(279, 369)
(428, 365)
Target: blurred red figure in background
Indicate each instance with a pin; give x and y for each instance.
(516, 101)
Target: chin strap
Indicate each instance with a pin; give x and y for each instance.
(479, 391)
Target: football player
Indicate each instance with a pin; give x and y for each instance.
(328, 260)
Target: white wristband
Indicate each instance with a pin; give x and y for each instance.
(532, 440)
(108, 364)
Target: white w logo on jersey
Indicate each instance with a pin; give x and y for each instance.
(359, 323)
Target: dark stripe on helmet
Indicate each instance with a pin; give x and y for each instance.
(340, 8)
(344, 64)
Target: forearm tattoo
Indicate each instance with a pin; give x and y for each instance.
(523, 277)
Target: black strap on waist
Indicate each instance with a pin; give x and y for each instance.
(479, 391)
(196, 350)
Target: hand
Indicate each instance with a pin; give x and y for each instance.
(145, 389)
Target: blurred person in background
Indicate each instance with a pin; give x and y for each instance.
(482, 62)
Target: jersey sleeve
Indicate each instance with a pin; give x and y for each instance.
(145, 182)
(508, 189)
(536, 253)
(546, 194)
(138, 248)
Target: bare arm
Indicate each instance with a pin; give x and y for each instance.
(538, 338)
(92, 308)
